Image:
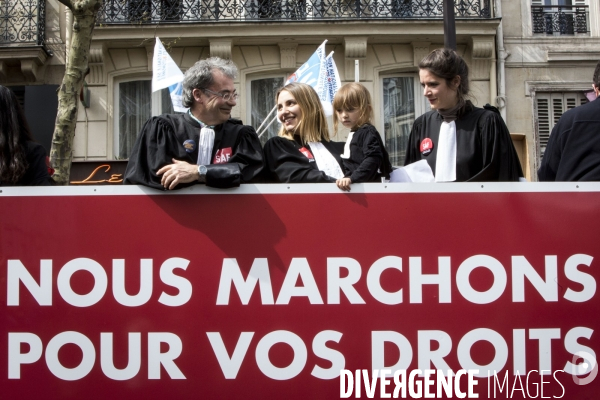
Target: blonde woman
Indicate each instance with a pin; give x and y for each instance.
(302, 152)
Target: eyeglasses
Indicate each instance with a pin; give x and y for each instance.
(225, 96)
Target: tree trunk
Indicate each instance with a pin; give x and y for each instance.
(84, 19)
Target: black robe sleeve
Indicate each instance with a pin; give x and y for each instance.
(245, 164)
(500, 159)
(155, 147)
(413, 153)
(552, 156)
(287, 164)
(368, 155)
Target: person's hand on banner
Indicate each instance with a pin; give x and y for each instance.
(344, 184)
(176, 173)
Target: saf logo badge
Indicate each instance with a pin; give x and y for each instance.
(189, 146)
(426, 146)
(222, 156)
(307, 153)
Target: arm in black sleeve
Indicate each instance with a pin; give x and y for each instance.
(413, 153)
(373, 156)
(552, 156)
(288, 165)
(245, 164)
(155, 147)
(500, 160)
(223, 176)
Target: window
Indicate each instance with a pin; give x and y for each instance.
(400, 108)
(134, 105)
(549, 108)
(261, 102)
(560, 17)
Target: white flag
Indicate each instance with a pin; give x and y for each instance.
(164, 70)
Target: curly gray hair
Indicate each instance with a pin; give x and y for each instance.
(200, 76)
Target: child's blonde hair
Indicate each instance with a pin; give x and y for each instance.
(313, 125)
(353, 96)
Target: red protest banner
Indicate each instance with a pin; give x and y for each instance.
(257, 293)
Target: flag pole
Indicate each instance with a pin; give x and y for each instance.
(268, 126)
(265, 120)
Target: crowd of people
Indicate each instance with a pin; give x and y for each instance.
(458, 141)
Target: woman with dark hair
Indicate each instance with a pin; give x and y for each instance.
(302, 152)
(22, 161)
(460, 142)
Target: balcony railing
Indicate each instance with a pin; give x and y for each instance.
(172, 11)
(22, 22)
(560, 20)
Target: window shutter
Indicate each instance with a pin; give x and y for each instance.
(557, 107)
(543, 119)
(550, 107)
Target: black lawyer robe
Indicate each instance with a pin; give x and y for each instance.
(573, 151)
(236, 158)
(484, 148)
(369, 160)
(287, 163)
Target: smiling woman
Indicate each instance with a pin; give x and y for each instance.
(302, 152)
(460, 142)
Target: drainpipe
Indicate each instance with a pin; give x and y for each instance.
(502, 56)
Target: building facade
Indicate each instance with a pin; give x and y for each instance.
(549, 50)
(269, 39)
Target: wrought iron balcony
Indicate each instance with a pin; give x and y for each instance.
(560, 20)
(22, 23)
(172, 11)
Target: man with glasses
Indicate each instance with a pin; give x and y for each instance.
(203, 145)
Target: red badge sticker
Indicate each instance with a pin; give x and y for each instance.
(307, 153)
(426, 146)
(222, 156)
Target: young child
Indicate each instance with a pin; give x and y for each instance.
(365, 158)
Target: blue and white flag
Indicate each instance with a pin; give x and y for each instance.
(321, 73)
(333, 78)
(164, 70)
(329, 83)
(309, 71)
(176, 92)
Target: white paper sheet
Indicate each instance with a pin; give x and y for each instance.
(419, 171)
